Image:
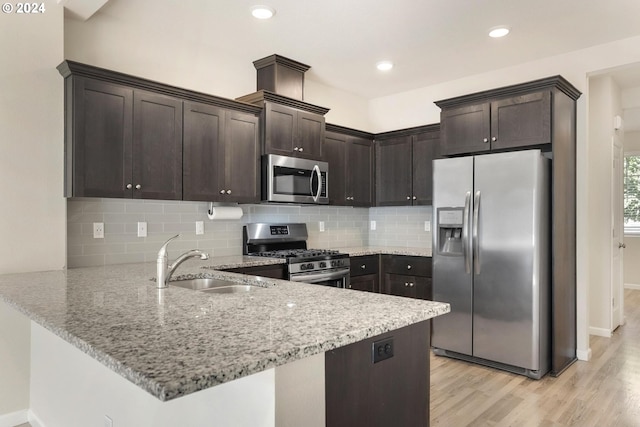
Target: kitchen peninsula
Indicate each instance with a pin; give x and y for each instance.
(190, 357)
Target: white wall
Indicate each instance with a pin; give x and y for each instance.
(33, 217)
(202, 66)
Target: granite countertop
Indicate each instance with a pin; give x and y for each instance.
(386, 250)
(176, 341)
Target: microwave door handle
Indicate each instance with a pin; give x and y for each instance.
(316, 172)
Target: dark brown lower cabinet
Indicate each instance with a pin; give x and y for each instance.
(275, 271)
(365, 273)
(407, 276)
(392, 392)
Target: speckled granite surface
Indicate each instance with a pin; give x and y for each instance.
(388, 250)
(177, 341)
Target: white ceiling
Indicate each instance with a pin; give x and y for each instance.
(430, 41)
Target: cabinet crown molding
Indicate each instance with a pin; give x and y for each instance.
(71, 68)
(554, 82)
(262, 96)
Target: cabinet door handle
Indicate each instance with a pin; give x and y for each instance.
(408, 266)
(408, 197)
(485, 140)
(406, 284)
(363, 266)
(411, 285)
(138, 186)
(494, 139)
(295, 148)
(301, 149)
(221, 191)
(228, 191)
(414, 197)
(129, 186)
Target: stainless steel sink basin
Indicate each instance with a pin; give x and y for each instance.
(217, 286)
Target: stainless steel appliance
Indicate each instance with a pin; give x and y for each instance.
(318, 266)
(294, 180)
(491, 260)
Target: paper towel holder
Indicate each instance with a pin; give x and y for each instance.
(232, 211)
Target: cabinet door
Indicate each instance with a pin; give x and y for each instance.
(334, 151)
(521, 121)
(310, 135)
(100, 161)
(281, 127)
(368, 282)
(203, 154)
(157, 146)
(424, 288)
(465, 129)
(425, 150)
(242, 158)
(393, 172)
(400, 285)
(360, 172)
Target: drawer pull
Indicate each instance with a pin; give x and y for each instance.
(363, 266)
(408, 266)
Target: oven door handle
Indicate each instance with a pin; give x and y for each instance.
(319, 277)
(316, 172)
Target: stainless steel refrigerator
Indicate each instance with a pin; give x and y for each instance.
(491, 260)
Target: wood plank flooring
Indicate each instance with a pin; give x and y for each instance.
(603, 392)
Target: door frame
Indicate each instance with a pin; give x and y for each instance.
(617, 235)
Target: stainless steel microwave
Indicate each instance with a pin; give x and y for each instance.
(292, 180)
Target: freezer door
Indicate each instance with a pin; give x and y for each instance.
(511, 259)
(452, 278)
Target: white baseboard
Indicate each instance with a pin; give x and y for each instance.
(34, 420)
(600, 332)
(13, 419)
(584, 355)
(632, 286)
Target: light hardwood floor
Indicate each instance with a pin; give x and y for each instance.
(603, 392)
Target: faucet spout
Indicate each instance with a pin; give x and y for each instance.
(165, 270)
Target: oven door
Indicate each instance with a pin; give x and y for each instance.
(293, 180)
(335, 277)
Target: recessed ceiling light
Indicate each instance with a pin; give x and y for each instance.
(262, 12)
(498, 32)
(384, 65)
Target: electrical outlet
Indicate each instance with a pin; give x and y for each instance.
(142, 229)
(199, 227)
(372, 226)
(382, 350)
(98, 230)
(427, 226)
(321, 226)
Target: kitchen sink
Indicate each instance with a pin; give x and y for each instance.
(217, 286)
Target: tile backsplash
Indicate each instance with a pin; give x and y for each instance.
(344, 227)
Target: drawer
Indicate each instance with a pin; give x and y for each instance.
(361, 265)
(402, 264)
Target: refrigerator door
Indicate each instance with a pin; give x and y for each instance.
(511, 261)
(452, 278)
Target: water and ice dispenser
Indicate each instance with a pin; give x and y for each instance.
(449, 229)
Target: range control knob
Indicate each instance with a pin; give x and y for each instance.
(323, 264)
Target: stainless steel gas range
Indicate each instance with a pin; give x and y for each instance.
(318, 266)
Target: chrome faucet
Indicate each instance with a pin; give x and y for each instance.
(165, 270)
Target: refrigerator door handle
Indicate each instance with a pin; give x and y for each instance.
(466, 244)
(474, 237)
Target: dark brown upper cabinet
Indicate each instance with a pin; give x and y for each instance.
(124, 136)
(292, 132)
(519, 120)
(350, 157)
(124, 142)
(404, 171)
(221, 154)
(290, 127)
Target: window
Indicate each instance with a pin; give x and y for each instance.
(632, 193)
